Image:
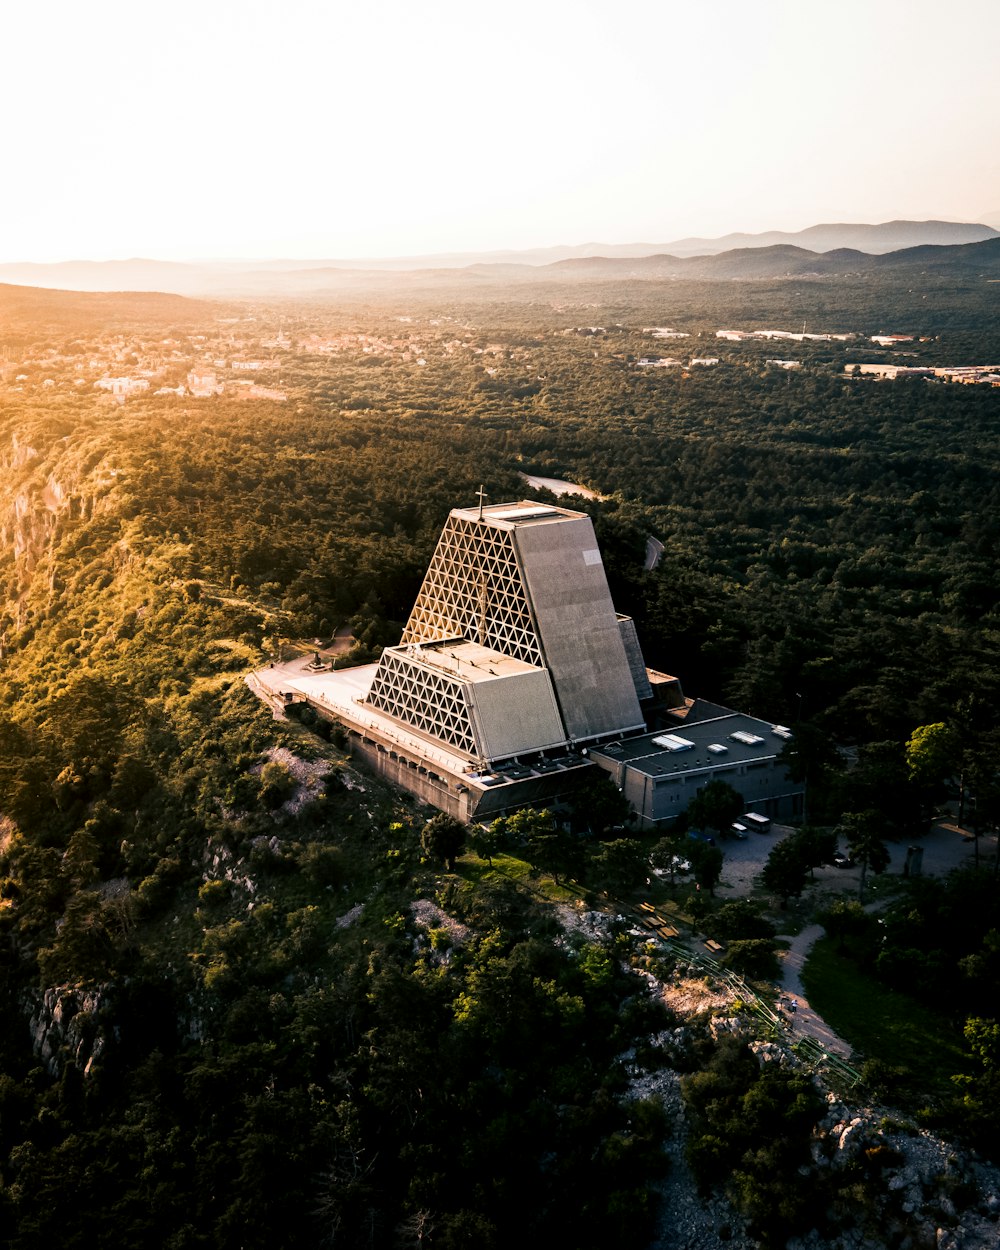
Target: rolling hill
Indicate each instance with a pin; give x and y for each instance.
(832, 248)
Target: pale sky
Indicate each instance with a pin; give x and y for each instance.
(328, 128)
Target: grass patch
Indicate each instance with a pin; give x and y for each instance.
(240, 652)
(217, 681)
(472, 868)
(880, 1023)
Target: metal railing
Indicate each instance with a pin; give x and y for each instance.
(806, 1049)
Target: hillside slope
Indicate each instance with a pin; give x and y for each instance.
(242, 1004)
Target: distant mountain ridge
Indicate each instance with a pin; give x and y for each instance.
(785, 260)
(58, 309)
(888, 236)
(275, 279)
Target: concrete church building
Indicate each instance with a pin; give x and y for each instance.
(513, 667)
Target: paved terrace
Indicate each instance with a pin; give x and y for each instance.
(341, 694)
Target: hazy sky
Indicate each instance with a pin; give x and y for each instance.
(331, 129)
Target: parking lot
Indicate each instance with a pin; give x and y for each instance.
(944, 848)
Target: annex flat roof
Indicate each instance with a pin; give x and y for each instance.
(468, 661)
(645, 755)
(343, 693)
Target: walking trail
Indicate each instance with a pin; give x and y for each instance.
(804, 1021)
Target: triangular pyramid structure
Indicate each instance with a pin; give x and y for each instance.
(516, 683)
(513, 646)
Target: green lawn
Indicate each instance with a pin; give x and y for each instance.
(473, 868)
(880, 1023)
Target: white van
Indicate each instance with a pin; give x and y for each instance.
(754, 820)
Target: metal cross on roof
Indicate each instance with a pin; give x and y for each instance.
(482, 499)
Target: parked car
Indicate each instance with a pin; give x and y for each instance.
(738, 830)
(840, 860)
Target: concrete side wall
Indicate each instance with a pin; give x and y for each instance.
(466, 804)
(515, 715)
(425, 785)
(578, 627)
(633, 653)
(533, 791)
(659, 801)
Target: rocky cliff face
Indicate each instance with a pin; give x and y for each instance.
(914, 1191)
(66, 1028)
(897, 1186)
(42, 490)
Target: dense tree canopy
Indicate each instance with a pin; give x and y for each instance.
(271, 1019)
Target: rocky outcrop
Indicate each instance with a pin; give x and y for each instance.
(881, 1181)
(42, 491)
(686, 1220)
(922, 1193)
(66, 1027)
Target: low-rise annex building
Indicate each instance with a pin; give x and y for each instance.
(660, 773)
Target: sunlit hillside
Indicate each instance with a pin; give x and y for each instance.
(245, 1002)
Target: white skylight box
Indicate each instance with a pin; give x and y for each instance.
(674, 742)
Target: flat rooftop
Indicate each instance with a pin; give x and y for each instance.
(343, 692)
(466, 660)
(522, 512)
(705, 745)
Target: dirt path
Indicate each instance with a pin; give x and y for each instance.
(804, 1021)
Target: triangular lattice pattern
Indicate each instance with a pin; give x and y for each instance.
(430, 701)
(473, 589)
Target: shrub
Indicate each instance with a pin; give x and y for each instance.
(741, 920)
(213, 893)
(276, 784)
(322, 865)
(754, 957)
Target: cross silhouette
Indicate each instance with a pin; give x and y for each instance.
(482, 497)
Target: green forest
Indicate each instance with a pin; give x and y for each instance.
(243, 1002)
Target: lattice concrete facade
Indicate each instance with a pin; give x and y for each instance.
(513, 645)
(429, 701)
(474, 589)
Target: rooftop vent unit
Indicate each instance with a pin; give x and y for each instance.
(782, 731)
(748, 739)
(718, 749)
(674, 742)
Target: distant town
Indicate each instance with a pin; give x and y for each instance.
(244, 359)
(988, 375)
